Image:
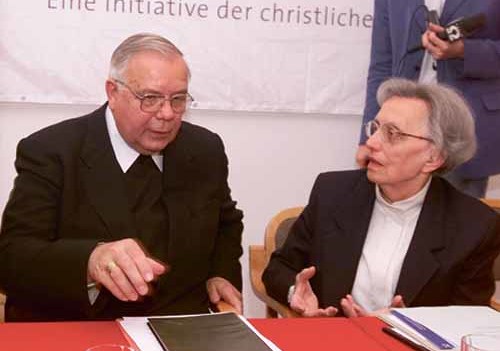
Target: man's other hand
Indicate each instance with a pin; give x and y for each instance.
(441, 49)
(362, 156)
(221, 289)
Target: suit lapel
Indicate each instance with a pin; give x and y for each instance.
(348, 236)
(413, 23)
(103, 178)
(420, 263)
(178, 161)
(449, 10)
(420, 17)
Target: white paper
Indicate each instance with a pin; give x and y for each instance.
(452, 322)
(138, 330)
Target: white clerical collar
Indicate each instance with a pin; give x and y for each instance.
(125, 155)
(405, 205)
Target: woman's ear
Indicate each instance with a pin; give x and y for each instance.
(435, 161)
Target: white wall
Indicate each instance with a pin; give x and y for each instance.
(273, 158)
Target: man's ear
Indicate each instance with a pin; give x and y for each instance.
(435, 161)
(111, 91)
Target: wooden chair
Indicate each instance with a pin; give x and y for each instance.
(2, 307)
(495, 300)
(275, 235)
(223, 306)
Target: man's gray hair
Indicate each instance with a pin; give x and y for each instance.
(138, 43)
(450, 121)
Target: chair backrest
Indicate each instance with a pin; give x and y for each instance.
(2, 307)
(259, 255)
(495, 300)
(278, 228)
(495, 204)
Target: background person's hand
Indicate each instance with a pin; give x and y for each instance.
(362, 155)
(219, 289)
(304, 301)
(353, 309)
(441, 49)
(124, 269)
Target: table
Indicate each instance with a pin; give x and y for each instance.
(318, 334)
(294, 334)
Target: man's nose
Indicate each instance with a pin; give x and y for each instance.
(166, 112)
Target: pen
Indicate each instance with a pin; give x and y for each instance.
(392, 332)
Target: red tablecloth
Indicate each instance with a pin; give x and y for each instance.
(318, 334)
(300, 334)
(61, 336)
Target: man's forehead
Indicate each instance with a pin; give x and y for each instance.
(148, 60)
(157, 72)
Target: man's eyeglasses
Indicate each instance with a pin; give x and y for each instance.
(389, 132)
(152, 103)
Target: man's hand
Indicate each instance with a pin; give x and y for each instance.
(441, 49)
(362, 156)
(221, 289)
(352, 309)
(124, 269)
(304, 301)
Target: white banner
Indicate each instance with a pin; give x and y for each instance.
(256, 55)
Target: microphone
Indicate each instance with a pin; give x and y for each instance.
(455, 30)
(433, 17)
(463, 27)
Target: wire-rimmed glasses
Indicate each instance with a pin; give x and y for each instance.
(390, 133)
(152, 103)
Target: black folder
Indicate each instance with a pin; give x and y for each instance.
(210, 332)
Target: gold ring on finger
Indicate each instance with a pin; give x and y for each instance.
(111, 266)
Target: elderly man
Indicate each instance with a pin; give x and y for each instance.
(393, 234)
(125, 211)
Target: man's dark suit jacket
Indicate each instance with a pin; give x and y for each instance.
(449, 260)
(70, 194)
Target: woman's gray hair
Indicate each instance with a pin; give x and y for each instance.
(136, 44)
(450, 121)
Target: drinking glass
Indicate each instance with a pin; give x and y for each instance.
(481, 342)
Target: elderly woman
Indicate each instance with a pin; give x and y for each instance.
(396, 233)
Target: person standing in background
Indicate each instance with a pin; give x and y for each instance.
(471, 65)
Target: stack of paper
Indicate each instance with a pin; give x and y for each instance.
(441, 328)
